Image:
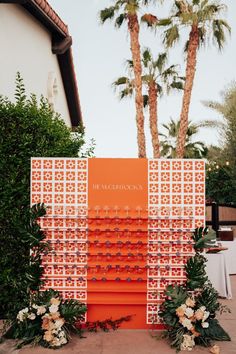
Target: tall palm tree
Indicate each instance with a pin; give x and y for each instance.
(156, 78)
(192, 149)
(202, 18)
(127, 10)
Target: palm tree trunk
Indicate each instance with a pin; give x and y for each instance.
(152, 92)
(190, 73)
(133, 26)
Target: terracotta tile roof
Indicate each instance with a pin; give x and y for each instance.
(48, 10)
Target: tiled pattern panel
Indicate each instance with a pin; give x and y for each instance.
(176, 206)
(61, 183)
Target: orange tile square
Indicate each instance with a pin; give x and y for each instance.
(176, 177)
(70, 164)
(47, 164)
(165, 176)
(36, 175)
(177, 165)
(36, 164)
(188, 177)
(188, 188)
(165, 165)
(59, 164)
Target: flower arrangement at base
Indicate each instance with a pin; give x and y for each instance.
(189, 310)
(47, 321)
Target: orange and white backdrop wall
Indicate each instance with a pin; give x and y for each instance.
(119, 229)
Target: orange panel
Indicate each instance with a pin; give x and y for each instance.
(117, 275)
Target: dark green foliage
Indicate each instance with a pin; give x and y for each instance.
(27, 129)
(213, 332)
(209, 298)
(216, 190)
(202, 239)
(201, 296)
(20, 270)
(195, 272)
(175, 297)
(31, 331)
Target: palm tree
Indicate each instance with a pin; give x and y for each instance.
(192, 149)
(202, 19)
(127, 10)
(156, 78)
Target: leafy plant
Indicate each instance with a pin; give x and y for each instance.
(27, 129)
(202, 239)
(195, 272)
(47, 320)
(189, 311)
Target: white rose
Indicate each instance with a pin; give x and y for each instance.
(34, 306)
(53, 308)
(202, 308)
(22, 314)
(205, 316)
(205, 324)
(32, 316)
(187, 323)
(189, 312)
(41, 310)
(59, 323)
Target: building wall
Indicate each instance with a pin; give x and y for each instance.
(26, 47)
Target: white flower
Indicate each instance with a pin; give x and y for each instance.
(205, 316)
(202, 308)
(31, 316)
(34, 306)
(188, 342)
(59, 323)
(53, 308)
(205, 324)
(183, 306)
(63, 340)
(22, 314)
(189, 312)
(41, 310)
(187, 323)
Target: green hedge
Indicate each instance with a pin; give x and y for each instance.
(27, 128)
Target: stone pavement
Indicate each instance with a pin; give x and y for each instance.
(132, 341)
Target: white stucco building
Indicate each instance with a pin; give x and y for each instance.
(36, 42)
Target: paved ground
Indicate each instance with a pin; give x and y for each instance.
(132, 341)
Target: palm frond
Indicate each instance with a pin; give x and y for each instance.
(145, 101)
(202, 36)
(127, 92)
(123, 80)
(120, 19)
(186, 46)
(107, 14)
(161, 61)
(129, 64)
(178, 85)
(146, 57)
(171, 36)
(164, 22)
(219, 27)
(150, 20)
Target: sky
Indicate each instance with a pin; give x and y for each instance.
(100, 52)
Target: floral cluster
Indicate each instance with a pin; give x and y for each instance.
(188, 316)
(51, 321)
